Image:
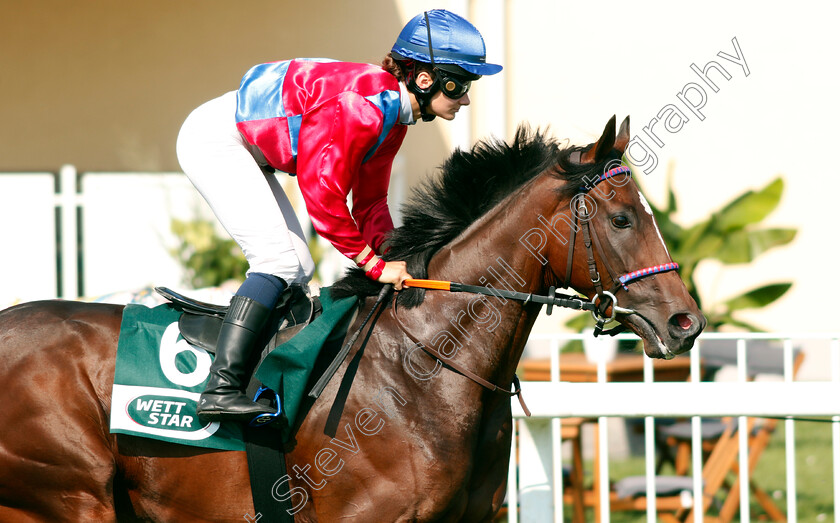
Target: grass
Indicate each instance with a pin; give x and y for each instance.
(814, 484)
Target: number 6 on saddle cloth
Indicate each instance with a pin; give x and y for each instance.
(200, 324)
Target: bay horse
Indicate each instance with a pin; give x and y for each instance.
(415, 440)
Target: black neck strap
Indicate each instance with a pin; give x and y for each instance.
(424, 96)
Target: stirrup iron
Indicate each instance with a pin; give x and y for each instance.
(261, 420)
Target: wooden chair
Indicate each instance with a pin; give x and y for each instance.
(674, 500)
(674, 441)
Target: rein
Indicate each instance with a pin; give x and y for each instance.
(517, 389)
(598, 310)
(550, 300)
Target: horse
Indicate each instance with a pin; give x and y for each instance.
(414, 439)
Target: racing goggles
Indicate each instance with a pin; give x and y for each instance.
(451, 85)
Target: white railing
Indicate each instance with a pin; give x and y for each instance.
(535, 487)
(69, 234)
(28, 235)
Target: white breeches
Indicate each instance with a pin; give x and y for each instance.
(250, 204)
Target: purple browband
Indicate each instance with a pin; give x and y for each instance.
(613, 172)
(647, 271)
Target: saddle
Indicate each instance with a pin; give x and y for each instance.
(201, 322)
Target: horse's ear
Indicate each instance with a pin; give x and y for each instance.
(623, 137)
(600, 149)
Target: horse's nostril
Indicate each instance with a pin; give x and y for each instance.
(685, 327)
(684, 321)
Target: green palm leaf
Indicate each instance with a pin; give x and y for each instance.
(744, 246)
(750, 207)
(758, 297)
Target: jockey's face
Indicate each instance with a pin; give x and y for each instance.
(440, 104)
(446, 107)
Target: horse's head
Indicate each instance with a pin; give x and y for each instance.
(618, 252)
(496, 190)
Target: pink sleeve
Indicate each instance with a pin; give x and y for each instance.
(333, 141)
(370, 192)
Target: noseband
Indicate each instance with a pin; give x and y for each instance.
(603, 297)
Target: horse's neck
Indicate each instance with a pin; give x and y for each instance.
(489, 253)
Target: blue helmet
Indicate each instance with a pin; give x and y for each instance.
(455, 41)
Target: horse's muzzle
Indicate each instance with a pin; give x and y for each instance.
(683, 328)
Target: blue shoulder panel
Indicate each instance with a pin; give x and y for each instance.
(260, 94)
(389, 103)
(294, 131)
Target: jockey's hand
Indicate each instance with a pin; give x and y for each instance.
(395, 273)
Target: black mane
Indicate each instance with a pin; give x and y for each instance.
(468, 185)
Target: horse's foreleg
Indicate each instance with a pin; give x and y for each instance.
(489, 480)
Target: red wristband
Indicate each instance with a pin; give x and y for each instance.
(367, 258)
(376, 271)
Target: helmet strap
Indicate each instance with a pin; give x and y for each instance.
(423, 96)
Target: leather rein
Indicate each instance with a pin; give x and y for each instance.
(597, 306)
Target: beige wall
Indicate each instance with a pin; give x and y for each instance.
(106, 85)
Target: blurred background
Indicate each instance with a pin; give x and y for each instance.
(93, 204)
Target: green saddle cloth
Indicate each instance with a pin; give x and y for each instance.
(287, 368)
(159, 377)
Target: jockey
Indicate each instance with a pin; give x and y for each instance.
(337, 126)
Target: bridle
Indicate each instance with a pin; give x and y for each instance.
(583, 215)
(597, 306)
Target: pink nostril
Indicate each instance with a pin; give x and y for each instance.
(684, 321)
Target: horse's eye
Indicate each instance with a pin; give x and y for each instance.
(620, 221)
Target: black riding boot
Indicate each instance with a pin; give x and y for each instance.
(223, 398)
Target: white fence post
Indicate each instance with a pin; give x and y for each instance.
(743, 439)
(512, 483)
(535, 474)
(650, 452)
(835, 427)
(67, 202)
(790, 438)
(696, 441)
